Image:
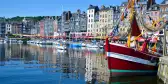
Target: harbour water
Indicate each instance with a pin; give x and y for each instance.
(33, 64)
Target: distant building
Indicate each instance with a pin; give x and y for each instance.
(78, 22)
(164, 12)
(91, 11)
(154, 12)
(28, 24)
(123, 6)
(35, 29)
(2, 29)
(8, 28)
(103, 20)
(58, 21)
(41, 23)
(66, 22)
(164, 8)
(58, 29)
(49, 26)
(108, 17)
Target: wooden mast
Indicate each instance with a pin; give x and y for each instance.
(164, 43)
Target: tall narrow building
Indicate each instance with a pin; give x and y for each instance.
(91, 11)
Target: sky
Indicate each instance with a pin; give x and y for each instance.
(12, 8)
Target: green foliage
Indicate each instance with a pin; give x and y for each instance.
(19, 19)
(25, 40)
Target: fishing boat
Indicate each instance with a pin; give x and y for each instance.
(128, 60)
(92, 45)
(83, 44)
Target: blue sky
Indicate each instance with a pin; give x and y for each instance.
(11, 8)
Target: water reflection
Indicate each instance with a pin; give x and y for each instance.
(48, 65)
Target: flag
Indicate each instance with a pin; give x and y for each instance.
(154, 48)
(129, 5)
(129, 40)
(122, 17)
(150, 18)
(115, 30)
(125, 14)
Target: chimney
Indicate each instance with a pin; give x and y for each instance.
(78, 11)
(102, 7)
(90, 6)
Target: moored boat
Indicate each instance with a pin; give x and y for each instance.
(126, 60)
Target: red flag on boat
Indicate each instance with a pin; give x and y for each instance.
(107, 45)
(135, 29)
(122, 17)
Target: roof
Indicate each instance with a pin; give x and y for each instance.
(152, 8)
(93, 7)
(124, 3)
(164, 2)
(105, 9)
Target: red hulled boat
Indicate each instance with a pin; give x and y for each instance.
(125, 61)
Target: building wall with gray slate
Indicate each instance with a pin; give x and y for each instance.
(78, 22)
(49, 26)
(59, 24)
(2, 29)
(28, 24)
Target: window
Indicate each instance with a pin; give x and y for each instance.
(156, 13)
(92, 15)
(108, 25)
(91, 20)
(88, 26)
(151, 13)
(89, 15)
(105, 16)
(161, 10)
(161, 32)
(166, 9)
(91, 26)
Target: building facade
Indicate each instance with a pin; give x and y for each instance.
(41, 28)
(2, 29)
(78, 22)
(8, 28)
(66, 22)
(28, 24)
(164, 8)
(49, 26)
(91, 11)
(103, 20)
(35, 28)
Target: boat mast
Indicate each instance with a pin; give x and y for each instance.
(164, 43)
(62, 23)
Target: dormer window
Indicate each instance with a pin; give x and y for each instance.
(155, 8)
(166, 2)
(166, 9)
(149, 8)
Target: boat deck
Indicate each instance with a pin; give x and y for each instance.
(163, 69)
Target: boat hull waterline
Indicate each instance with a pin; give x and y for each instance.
(123, 61)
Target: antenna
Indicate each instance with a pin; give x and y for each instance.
(62, 21)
